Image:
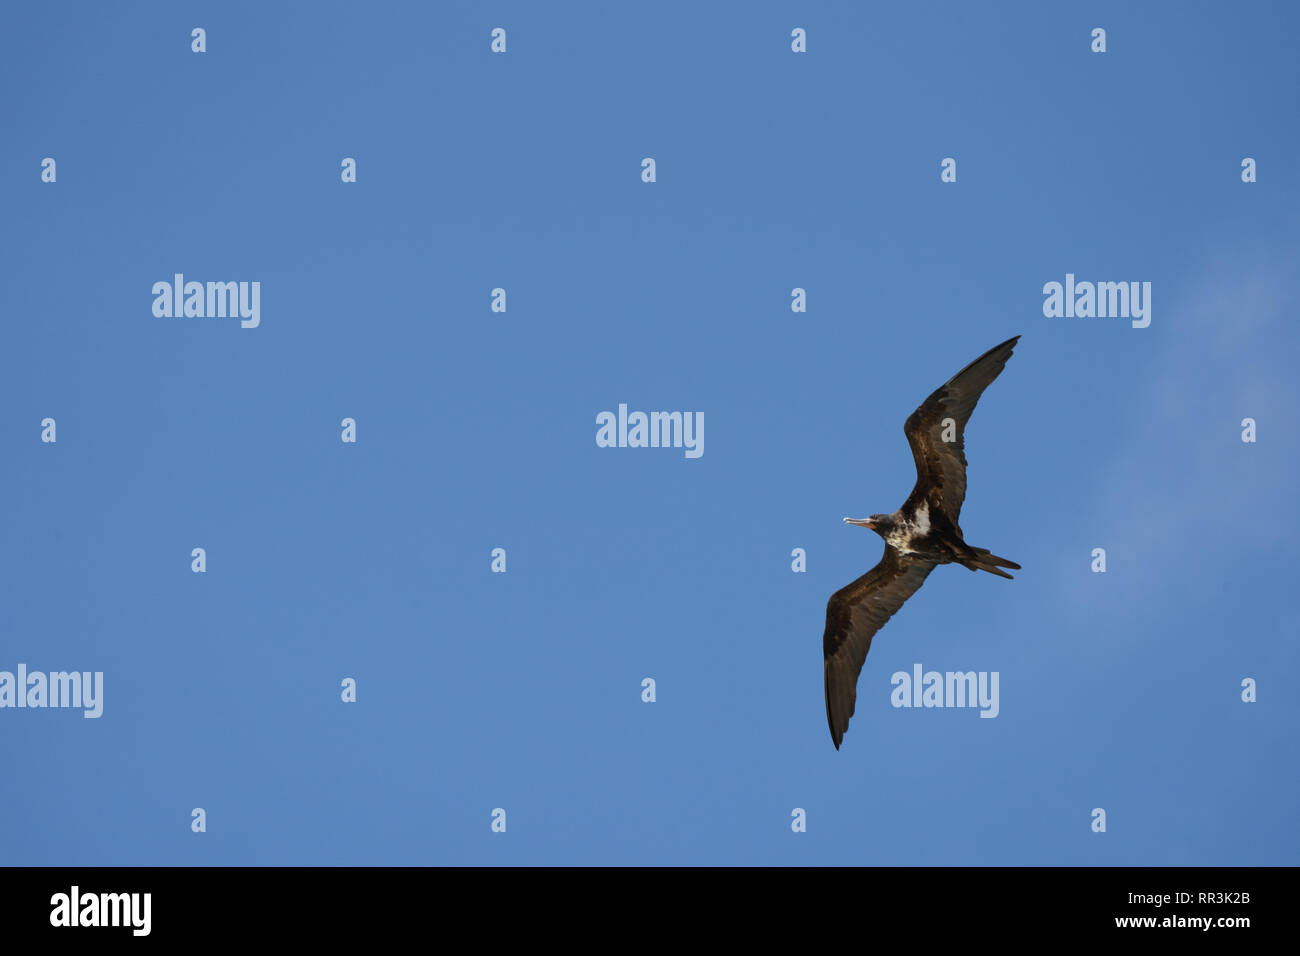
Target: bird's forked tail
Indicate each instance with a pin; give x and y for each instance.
(982, 559)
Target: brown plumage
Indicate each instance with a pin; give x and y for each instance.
(921, 534)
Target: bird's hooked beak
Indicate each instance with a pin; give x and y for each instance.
(861, 522)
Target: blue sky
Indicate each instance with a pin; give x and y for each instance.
(476, 430)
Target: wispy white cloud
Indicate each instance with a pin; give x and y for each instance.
(1183, 485)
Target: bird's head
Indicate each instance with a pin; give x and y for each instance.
(877, 523)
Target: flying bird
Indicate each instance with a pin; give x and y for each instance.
(921, 534)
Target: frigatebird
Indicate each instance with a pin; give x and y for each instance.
(919, 535)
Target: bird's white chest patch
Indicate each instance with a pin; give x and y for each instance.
(902, 535)
(899, 541)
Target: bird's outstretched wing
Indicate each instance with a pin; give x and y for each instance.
(853, 615)
(940, 464)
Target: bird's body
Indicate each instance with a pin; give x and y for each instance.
(919, 536)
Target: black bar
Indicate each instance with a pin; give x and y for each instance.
(334, 905)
